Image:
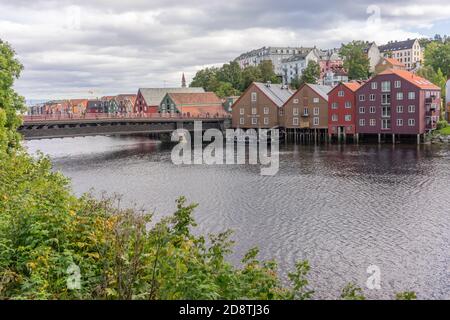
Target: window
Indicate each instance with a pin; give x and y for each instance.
(253, 110)
(254, 96)
(316, 121)
(266, 110)
(348, 117)
(372, 110)
(334, 105)
(386, 98)
(241, 111)
(372, 97)
(399, 122)
(385, 86)
(399, 95)
(411, 95)
(386, 111)
(295, 111)
(362, 110)
(316, 111)
(340, 93)
(385, 124)
(316, 100)
(362, 97)
(241, 121)
(373, 122)
(254, 120)
(399, 109)
(281, 112)
(295, 121)
(334, 117)
(305, 112)
(411, 109)
(411, 122)
(295, 101)
(397, 84)
(374, 85)
(266, 120)
(362, 122)
(348, 104)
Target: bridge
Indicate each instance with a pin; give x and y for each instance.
(50, 126)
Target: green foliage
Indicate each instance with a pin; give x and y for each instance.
(442, 124)
(352, 292)
(407, 295)
(437, 55)
(230, 80)
(311, 73)
(356, 61)
(10, 102)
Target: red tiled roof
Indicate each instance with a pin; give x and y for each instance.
(195, 99)
(420, 82)
(394, 62)
(352, 85)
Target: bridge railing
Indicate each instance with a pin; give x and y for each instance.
(103, 116)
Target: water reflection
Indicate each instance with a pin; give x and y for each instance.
(341, 207)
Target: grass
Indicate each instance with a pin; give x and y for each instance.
(445, 131)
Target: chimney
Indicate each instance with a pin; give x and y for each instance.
(268, 83)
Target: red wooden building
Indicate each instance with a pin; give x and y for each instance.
(341, 109)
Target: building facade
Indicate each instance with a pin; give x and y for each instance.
(259, 106)
(149, 99)
(307, 108)
(389, 63)
(407, 52)
(373, 54)
(342, 109)
(397, 102)
(204, 105)
(329, 61)
(274, 54)
(293, 67)
(335, 76)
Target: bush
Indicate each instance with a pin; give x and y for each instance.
(442, 124)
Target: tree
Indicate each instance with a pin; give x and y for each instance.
(437, 55)
(295, 83)
(356, 61)
(311, 73)
(10, 102)
(267, 72)
(206, 79)
(225, 89)
(250, 74)
(230, 73)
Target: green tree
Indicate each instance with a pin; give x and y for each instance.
(226, 89)
(356, 61)
(10, 102)
(295, 83)
(230, 73)
(206, 79)
(250, 74)
(437, 55)
(267, 72)
(311, 74)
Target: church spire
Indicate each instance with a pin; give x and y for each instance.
(183, 81)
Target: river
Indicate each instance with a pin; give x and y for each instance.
(343, 208)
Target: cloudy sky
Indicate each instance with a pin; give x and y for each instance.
(91, 48)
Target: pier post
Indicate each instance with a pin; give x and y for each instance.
(379, 138)
(393, 138)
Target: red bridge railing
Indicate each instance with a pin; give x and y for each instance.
(100, 116)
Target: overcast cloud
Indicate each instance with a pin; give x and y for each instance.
(72, 48)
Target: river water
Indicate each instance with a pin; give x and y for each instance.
(343, 208)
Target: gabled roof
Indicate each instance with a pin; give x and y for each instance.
(397, 45)
(353, 86)
(278, 93)
(321, 90)
(195, 99)
(153, 96)
(393, 61)
(419, 82)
